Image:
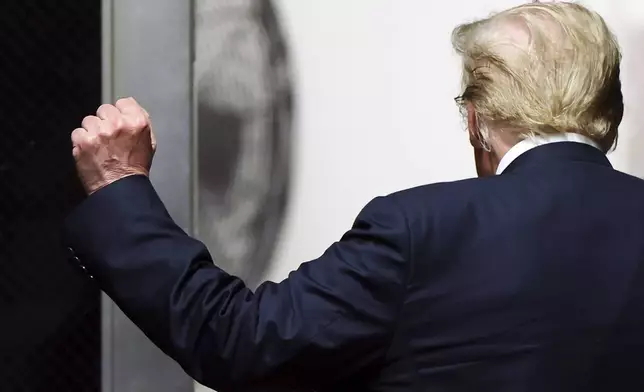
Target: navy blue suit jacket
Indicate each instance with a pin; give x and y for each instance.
(532, 280)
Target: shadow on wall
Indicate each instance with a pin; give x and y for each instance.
(245, 110)
(634, 105)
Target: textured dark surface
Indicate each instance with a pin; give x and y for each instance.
(49, 79)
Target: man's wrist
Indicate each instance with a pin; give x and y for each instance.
(112, 177)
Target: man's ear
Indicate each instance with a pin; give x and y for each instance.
(473, 126)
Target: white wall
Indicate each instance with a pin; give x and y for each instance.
(375, 82)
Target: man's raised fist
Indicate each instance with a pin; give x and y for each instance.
(116, 143)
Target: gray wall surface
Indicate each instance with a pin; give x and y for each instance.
(147, 54)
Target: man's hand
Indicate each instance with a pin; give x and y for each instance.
(116, 143)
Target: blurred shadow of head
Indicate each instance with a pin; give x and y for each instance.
(245, 111)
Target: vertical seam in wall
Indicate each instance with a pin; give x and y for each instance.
(107, 95)
(194, 137)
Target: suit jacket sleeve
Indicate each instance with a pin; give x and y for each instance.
(329, 321)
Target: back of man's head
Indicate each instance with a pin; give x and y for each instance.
(542, 68)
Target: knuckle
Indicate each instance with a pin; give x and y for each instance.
(104, 108)
(91, 140)
(83, 140)
(107, 130)
(140, 122)
(87, 120)
(77, 132)
(106, 112)
(136, 122)
(125, 103)
(77, 136)
(117, 122)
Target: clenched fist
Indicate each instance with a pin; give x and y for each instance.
(116, 143)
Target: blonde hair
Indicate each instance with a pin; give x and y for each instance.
(542, 68)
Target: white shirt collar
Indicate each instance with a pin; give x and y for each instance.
(529, 144)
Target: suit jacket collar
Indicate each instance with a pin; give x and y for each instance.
(536, 141)
(548, 154)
